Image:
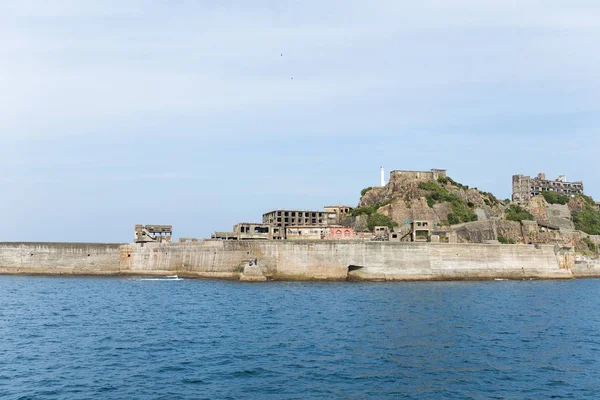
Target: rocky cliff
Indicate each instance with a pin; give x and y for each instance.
(472, 216)
(443, 201)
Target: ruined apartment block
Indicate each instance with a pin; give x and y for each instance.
(525, 187)
(340, 211)
(285, 218)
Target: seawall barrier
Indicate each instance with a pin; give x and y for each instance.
(298, 260)
(60, 258)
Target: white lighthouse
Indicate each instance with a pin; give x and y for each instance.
(382, 177)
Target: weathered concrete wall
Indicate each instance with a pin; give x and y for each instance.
(586, 269)
(468, 261)
(59, 258)
(308, 260)
(369, 260)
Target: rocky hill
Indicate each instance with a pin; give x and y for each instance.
(443, 201)
(470, 215)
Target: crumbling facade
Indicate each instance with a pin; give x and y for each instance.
(285, 218)
(432, 175)
(525, 187)
(153, 233)
(320, 233)
(251, 231)
(340, 211)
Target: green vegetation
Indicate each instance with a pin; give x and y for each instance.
(453, 220)
(490, 199)
(588, 218)
(374, 218)
(518, 213)
(505, 240)
(591, 245)
(365, 190)
(368, 210)
(439, 194)
(377, 219)
(444, 180)
(458, 185)
(555, 198)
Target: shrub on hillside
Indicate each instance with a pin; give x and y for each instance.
(555, 198)
(505, 240)
(591, 245)
(365, 190)
(368, 210)
(518, 213)
(439, 194)
(588, 218)
(377, 219)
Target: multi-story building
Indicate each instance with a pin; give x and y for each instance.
(251, 231)
(525, 187)
(286, 218)
(340, 211)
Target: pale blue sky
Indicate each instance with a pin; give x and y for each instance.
(184, 113)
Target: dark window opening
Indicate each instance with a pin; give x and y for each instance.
(261, 229)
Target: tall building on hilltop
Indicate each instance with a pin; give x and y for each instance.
(525, 187)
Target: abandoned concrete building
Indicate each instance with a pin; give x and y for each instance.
(252, 231)
(319, 233)
(525, 187)
(340, 211)
(432, 175)
(284, 218)
(258, 231)
(153, 233)
(323, 225)
(418, 231)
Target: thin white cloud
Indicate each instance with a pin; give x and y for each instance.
(68, 63)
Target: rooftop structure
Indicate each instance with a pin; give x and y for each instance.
(432, 175)
(525, 187)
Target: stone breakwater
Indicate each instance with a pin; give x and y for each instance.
(307, 260)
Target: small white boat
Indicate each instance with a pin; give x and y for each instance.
(166, 278)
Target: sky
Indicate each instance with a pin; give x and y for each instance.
(202, 114)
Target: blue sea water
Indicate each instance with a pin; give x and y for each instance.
(119, 338)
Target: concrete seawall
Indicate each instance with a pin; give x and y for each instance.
(60, 258)
(306, 260)
(354, 260)
(589, 269)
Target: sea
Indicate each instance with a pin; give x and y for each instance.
(134, 338)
